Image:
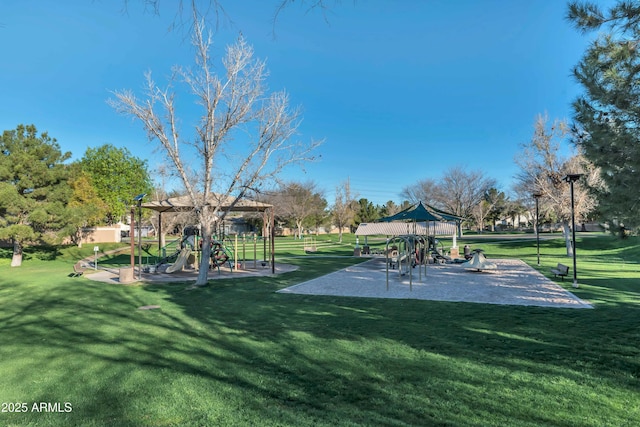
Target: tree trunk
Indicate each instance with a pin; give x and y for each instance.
(205, 235)
(299, 226)
(16, 260)
(566, 232)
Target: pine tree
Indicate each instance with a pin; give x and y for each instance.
(33, 188)
(607, 116)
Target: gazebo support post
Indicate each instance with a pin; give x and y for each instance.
(159, 233)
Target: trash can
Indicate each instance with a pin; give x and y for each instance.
(126, 275)
(467, 251)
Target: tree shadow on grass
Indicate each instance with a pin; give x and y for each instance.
(42, 253)
(237, 353)
(6, 253)
(336, 341)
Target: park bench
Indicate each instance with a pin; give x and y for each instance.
(78, 269)
(560, 270)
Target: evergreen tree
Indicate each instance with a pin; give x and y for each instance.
(497, 204)
(366, 212)
(33, 188)
(607, 116)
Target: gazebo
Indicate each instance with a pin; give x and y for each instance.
(417, 219)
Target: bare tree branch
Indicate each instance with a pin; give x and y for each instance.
(243, 139)
(543, 169)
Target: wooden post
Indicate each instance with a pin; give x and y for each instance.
(159, 233)
(273, 244)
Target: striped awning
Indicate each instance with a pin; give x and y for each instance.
(436, 228)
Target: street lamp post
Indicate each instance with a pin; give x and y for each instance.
(537, 196)
(571, 178)
(132, 240)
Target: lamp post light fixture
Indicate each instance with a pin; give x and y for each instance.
(571, 178)
(95, 257)
(132, 227)
(138, 199)
(537, 196)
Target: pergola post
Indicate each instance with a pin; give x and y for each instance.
(273, 243)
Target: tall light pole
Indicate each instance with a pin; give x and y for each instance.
(537, 196)
(132, 238)
(571, 178)
(138, 199)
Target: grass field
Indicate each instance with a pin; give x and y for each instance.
(237, 353)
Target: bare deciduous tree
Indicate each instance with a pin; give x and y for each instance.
(458, 192)
(480, 213)
(461, 190)
(213, 10)
(299, 201)
(242, 139)
(543, 169)
(422, 191)
(344, 207)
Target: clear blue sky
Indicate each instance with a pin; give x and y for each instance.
(399, 90)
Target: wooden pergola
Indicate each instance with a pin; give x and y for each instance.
(224, 204)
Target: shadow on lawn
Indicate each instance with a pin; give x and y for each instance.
(293, 359)
(320, 346)
(43, 253)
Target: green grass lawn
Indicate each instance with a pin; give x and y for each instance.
(237, 353)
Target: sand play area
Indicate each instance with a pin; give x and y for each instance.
(513, 283)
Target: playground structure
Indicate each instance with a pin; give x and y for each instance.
(479, 262)
(310, 244)
(405, 253)
(231, 251)
(178, 265)
(415, 247)
(224, 250)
